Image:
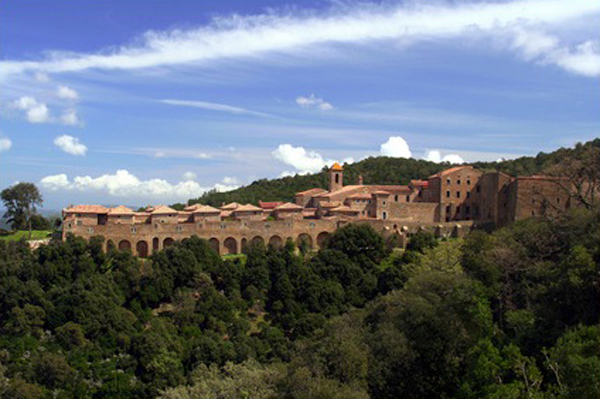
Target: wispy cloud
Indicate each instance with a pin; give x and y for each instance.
(215, 107)
(253, 36)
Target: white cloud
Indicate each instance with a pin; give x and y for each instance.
(436, 156)
(41, 77)
(35, 111)
(312, 101)
(252, 36)
(231, 181)
(5, 143)
(125, 184)
(70, 145)
(214, 107)
(67, 93)
(69, 117)
(189, 176)
(397, 147)
(303, 161)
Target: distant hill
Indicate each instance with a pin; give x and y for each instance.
(384, 170)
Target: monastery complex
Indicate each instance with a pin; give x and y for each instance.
(447, 203)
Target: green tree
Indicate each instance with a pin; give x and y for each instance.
(21, 202)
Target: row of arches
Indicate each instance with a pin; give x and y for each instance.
(230, 245)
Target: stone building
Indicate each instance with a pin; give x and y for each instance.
(447, 203)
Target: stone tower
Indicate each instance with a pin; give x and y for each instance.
(336, 177)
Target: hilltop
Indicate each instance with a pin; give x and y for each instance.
(385, 170)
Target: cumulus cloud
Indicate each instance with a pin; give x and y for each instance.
(41, 77)
(70, 145)
(189, 176)
(303, 161)
(125, 184)
(5, 143)
(436, 156)
(214, 107)
(231, 181)
(35, 111)
(69, 117)
(396, 147)
(67, 93)
(252, 36)
(314, 102)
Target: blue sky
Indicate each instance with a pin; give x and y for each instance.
(152, 101)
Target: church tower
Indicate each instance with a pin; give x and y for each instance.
(336, 177)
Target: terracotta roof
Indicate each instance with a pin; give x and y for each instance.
(312, 191)
(229, 207)
(288, 206)
(269, 205)
(247, 208)
(360, 196)
(205, 209)
(330, 204)
(451, 170)
(226, 214)
(163, 210)
(380, 192)
(344, 208)
(337, 167)
(419, 183)
(87, 209)
(120, 210)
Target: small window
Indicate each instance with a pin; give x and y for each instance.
(384, 215)
(468, 194)
(558, 200)
(134, 230)
(408, 198)
(458, 181)
(78, 215)
(448, 194)
(383, 203)
(79, 222)
(90, 230)
(448, 181)
(69, 225)
(468, 182)
(313, 225)
(396, 198)
(458, 194)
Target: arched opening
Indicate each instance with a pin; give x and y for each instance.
(230, 245)
(258, 240)
(244, 245)
(323, 239)
(110, 246)
(276, 242)
(214, 244)
(304, 242)
(124, 245)
(168, 241)
(142, 249)
(155, 242)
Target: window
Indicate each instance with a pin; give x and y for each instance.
(468, 194)
(458, 181)
(408, 198)
(396, 198)
(468, 182)
(383, 203)
(467, 209)
(178, 228)
(458, 194)
(69, 225)
(78, 215)
(79, 222)
(448, 194)
(558, 200)
(311, 224)
(90, 230)
(133, 230)
(337, 178)
(384, 215)
(448, 181)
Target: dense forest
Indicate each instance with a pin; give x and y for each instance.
(386, 170)
(511, 314)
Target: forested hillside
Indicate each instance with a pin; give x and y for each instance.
(386, 170)
(513, 314)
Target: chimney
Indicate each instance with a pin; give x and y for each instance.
(360, 180)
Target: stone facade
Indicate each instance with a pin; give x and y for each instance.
(447, 203)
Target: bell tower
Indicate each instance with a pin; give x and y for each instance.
(336, 177)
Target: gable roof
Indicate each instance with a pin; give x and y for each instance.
(163, 210)
(344, 208)
(451, 170)
(312, 191)
(288, 206)
(199, 208)
(247, 208)
(269, 205)
(120, 210)
(87, 209)
(229, 207)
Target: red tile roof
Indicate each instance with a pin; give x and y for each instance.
(269, 205)
(120, 210)
(163, 210)
(87, 209)
(288, 206)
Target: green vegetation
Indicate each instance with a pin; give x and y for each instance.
(386, 170)
(512, 314)
(22, 234)
(21, 201)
